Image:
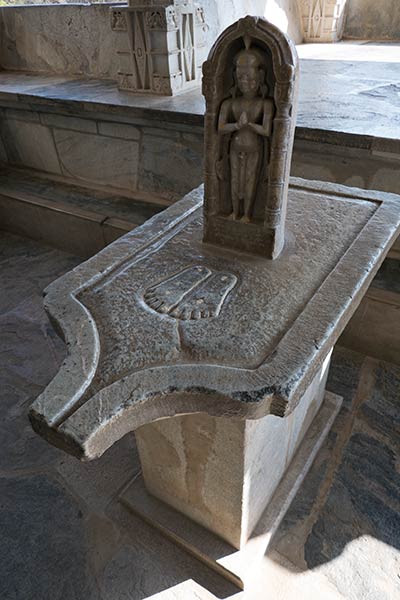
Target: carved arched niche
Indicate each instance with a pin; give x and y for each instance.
(247, 168)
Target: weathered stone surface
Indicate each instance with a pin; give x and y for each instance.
(89, 158)
(119, 130)
(99, 482)
(62, 38)
(169, 165)
(367, 19)
(255, 368)
(149, 564)
(160, 47)
(338, 136)
(42, 155)
(43, 548)
(375, 327)
(26, 337)
(63, 122)
(186, 461)
(59, 39)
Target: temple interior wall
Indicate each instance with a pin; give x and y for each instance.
(369, 19)
(78, 39)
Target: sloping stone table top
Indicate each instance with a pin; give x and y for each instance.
(160, 324)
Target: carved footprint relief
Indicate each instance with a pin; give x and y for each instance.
(164, 296)
(194, 293)
(207, 299)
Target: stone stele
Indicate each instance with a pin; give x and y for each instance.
(250, 83)
(216, 355)
(161, 45)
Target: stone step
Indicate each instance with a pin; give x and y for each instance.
(68, 217)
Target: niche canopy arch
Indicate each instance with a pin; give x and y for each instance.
(250, 82)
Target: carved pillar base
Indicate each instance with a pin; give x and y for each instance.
(161, 45)
(323, 20)
(222, 472)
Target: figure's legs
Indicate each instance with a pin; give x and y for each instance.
(250, 184)
(235, 184)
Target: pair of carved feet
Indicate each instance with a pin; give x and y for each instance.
(193, 293)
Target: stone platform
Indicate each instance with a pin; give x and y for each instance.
(65, 536)
(110, 385)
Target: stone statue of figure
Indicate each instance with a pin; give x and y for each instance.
(246, 116)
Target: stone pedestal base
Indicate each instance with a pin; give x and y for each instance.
(222, 472)
(210, 548)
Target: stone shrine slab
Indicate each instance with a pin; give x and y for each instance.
(160, 324)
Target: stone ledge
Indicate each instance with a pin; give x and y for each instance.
(70, 218)
(78, 96)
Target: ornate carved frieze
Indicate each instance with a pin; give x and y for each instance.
(162, 49)
(250, 86)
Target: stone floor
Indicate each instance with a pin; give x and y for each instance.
(65, 537)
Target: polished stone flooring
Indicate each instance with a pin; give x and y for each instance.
(64, 536)
(349, 89)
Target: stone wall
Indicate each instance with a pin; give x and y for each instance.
(78, 40)
(165, 160)
(372, 19)
(68, 39)
(131, 155)
(283, 13)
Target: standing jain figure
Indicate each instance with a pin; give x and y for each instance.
(248, 116)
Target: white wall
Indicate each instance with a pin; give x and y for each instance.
(283, 13)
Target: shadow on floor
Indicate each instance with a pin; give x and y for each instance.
(63, 534)
(345, 522)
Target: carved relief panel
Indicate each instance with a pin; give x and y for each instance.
(164, 48)
(322, 20)
(250, 85)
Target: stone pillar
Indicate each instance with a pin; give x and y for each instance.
(323, 20)
(161, 45)
(222, 472)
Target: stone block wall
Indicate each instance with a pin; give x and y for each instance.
(135, 156)
(165, 159)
